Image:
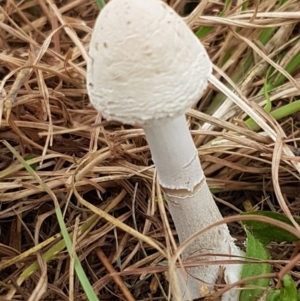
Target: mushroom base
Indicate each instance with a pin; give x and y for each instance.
(190, 214)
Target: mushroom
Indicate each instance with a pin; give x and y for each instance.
(147, 68)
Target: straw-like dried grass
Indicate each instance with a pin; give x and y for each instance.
(45, 114)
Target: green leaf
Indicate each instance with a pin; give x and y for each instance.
(255, 250)
(273, 295)
(100, 3)
(287, 292)
(266, 232)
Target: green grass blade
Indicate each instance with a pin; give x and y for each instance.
(205, 30)
(250, 122)
(78, 268)
(291, 67)
(33, 165)
(278, 114)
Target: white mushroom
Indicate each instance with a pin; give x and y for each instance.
(146, 68)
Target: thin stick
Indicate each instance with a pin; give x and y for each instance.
(118, 280)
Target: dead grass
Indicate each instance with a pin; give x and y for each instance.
(124, 246)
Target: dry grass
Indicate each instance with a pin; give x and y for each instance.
(83, 159)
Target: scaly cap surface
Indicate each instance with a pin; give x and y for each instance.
(145, 63)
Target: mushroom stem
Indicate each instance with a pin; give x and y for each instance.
(174, 154)
(191, 204)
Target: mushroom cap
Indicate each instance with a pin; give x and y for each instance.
(145, 64)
